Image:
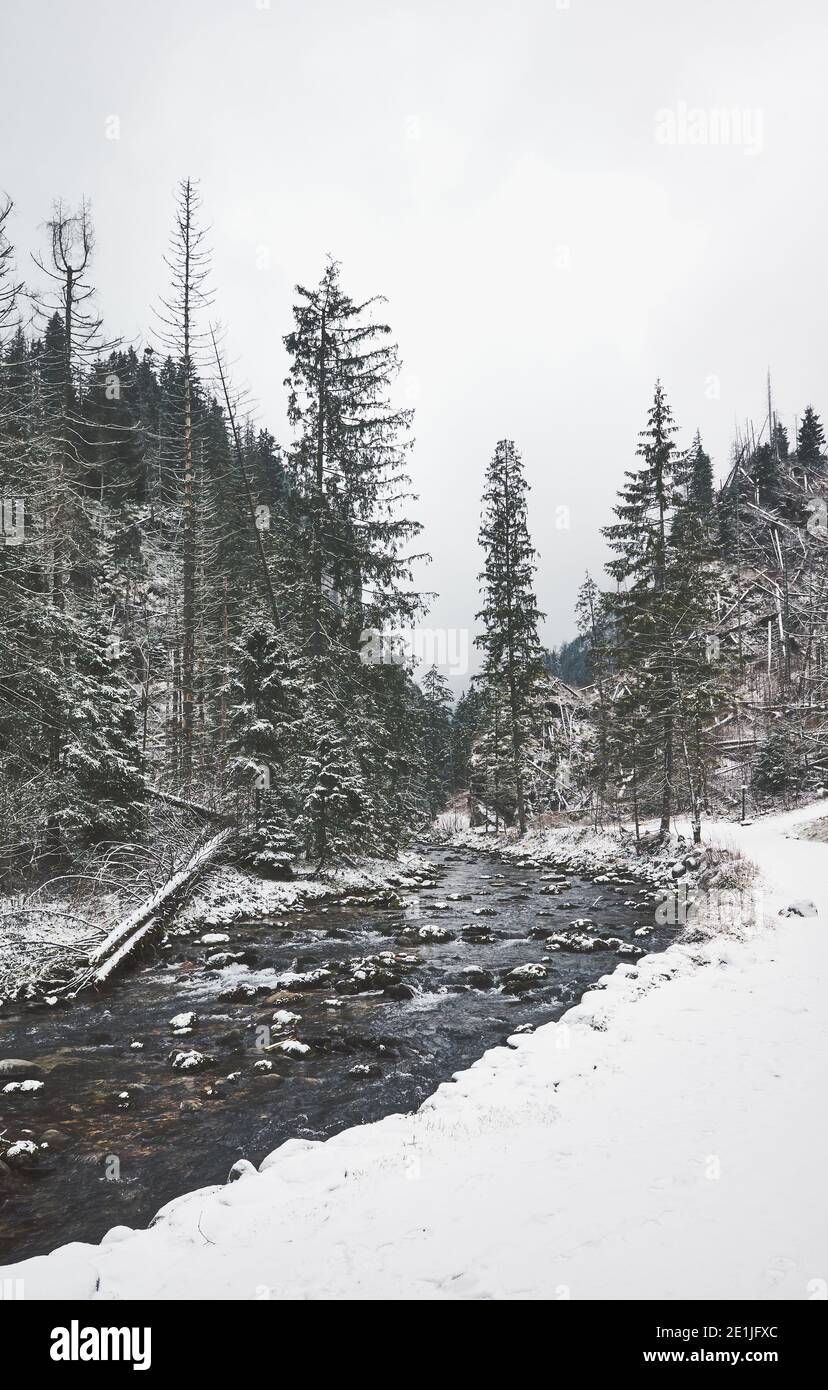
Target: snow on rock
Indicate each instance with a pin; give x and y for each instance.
(660, 1140)
(184, 1023)
(213, 938)
(284, 1018)
(532, 971)
(23, 1153)
(189, 1061)
(433, 933)
(293, 1047)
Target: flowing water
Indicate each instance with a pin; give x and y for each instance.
(129, 1131)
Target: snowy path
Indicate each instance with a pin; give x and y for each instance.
(666, 1139)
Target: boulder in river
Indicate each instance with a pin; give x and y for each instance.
(189, 1061)
(55, 1139)
(22, 1154)
(283, 1018)
(184, 1023)
(524, 976)
(430, 932)
(399, 991)
(477, 978)
(16, 1069)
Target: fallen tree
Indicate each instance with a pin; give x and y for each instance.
(140, 924)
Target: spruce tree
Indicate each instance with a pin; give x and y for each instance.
(436, 739)
(699, 474)
(510, 615)
(810, 442)
(349, 463)
(336, 816)
(643, 607)
(264, 702)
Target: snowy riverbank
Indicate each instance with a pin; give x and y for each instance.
(40, 943)
(665, 1138)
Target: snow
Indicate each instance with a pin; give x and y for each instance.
(225, 895)
(187, 1061)
(183, 1023)
(665, 1138)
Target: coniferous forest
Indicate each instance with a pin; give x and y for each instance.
(191, 607)
(413, 670)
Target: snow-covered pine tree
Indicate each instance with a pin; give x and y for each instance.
(348, 488)
(699, 474)
(436, 739)
(643, 607)
(337, 814)
(464, 724)
(491, 767)
(703, 668)
(810, 443)
(595, 628)
(349, 463)
(264, 698)
(102, 781)
(510, 615)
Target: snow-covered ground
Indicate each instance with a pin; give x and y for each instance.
(666, 1138)
(225, 894)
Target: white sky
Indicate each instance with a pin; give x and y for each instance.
(446, 152)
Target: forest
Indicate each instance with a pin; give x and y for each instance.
(190, 606)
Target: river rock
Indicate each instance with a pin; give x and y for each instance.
(56, 1139)
(232, 1041)
(184, 1023)
(433, 933)
(524, 976)
(243, 994)
(400, 991)
(23, 1154)
(283, 1018)
(16, 1069)
(190, 1061)
(477, 978)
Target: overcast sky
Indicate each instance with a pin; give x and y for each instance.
(549, 195)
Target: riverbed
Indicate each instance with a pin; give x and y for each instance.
(327, 1018)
